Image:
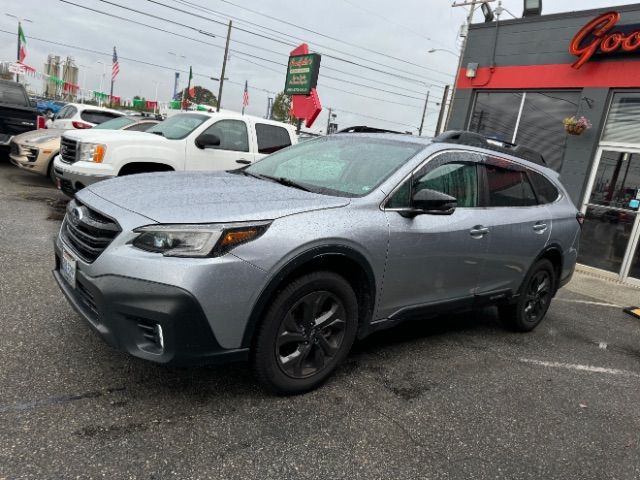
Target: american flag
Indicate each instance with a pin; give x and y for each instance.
(245, 95)
(115, 66)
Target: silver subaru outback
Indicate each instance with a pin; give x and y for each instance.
(286, 262)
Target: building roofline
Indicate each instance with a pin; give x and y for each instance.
(557, 16)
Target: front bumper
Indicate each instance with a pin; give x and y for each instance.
(71, 180)
(124, 311)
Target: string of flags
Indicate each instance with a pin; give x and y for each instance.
(75, 89)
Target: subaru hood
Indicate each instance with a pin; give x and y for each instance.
(207, 197)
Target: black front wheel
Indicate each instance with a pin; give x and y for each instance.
(306, 333)
(534, 298)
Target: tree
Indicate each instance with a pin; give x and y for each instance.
(281, 108)
(202, 96)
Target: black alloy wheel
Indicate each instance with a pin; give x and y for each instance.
(306, 332)
(535, 295)
(538, 296)
(311, 334)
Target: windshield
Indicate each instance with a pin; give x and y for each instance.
(179, 126)
(340, 165)
(114, 124)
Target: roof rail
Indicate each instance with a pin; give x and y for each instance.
(473, 139)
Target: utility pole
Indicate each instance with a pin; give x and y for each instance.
(328, 121)
(224, 66)
(424, 113)
(472, 10)
(443, 106)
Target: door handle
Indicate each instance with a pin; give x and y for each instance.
(242, 161)
(539, 227)
(478, 231)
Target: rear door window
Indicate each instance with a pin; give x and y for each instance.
(545, 190)
(508, 186)
(271, 138)
(97, 116)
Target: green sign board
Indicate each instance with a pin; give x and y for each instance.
(302, 74)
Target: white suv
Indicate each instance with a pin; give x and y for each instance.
(79, 116)
(185, 141)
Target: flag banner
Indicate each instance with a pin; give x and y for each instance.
(22, 54)
(115, 66)
(191, 90)
(245, 95)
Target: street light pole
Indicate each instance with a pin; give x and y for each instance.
(104, 72)
(224, 66)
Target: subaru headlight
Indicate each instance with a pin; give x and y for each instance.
(196, 240)
(91, 152)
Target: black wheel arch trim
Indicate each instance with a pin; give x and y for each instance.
(296, 263)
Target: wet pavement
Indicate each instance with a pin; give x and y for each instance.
(453, 397)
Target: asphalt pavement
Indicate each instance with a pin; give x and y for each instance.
(456, 397)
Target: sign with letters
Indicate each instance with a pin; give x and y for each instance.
(602, 36)
(302, 74)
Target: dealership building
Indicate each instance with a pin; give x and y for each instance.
(521, 78)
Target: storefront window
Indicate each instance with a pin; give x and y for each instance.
(495, 114)
(622, 122)
(535, 123)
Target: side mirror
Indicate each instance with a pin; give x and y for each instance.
(207, 140)
(432, 202)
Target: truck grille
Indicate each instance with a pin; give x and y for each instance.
(86, 231)
(68, 150)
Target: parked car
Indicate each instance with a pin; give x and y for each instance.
(46, 106)
(34, 151)
(185, 141)
(17, 113)
(78, 116)
(287, 261)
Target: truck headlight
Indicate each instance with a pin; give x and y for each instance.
(196, 240)
(91, 152)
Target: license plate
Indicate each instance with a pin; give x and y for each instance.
(68, 267)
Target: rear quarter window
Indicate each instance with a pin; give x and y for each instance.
(271, 138)
(96, 116)
(13, 95)
(545, 190)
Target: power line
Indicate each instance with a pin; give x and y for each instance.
(239, 52)
(351, 62)
(295, 25)
(128, 59)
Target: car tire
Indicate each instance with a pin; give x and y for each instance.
(307, 331)
(534, 298)
(51, 173)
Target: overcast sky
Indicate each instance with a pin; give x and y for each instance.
(405, 29)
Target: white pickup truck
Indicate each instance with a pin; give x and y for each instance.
(185, 141)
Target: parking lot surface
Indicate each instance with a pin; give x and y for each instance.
(453, 397)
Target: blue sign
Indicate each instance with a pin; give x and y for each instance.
(634, 204)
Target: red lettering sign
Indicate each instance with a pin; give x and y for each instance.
(602, 39)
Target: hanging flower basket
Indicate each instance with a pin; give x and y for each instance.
(576, 126)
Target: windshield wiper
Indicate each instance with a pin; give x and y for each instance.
(158, 133)
(288, 183)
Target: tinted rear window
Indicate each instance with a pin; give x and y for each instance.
(96, 116)
(545, 190)
(13, 94)
(115, 123)
(141, 127)
(271, 138)
(509, 188)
